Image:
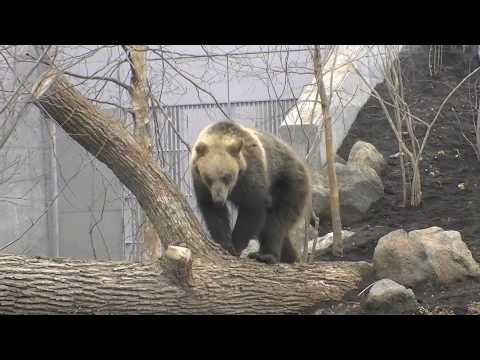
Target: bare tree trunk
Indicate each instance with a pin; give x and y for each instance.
(477, 129)
(337, 246)
(138, 64)
(204, 281)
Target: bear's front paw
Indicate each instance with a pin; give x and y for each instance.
(264, 258)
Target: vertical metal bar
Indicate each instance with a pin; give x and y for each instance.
(54, 210)
(274, 116)
(169, 141)
(48, 132)
(269, 115)
(228, 88)
(265, 116)
(178, 150)
(172, 148)
(260, 115)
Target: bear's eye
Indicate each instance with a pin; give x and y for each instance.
(227, 178)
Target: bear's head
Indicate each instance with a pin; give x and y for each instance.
(218, 161)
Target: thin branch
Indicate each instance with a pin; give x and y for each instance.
(198, 87)
(101, 78)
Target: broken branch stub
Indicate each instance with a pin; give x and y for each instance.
(180, 262)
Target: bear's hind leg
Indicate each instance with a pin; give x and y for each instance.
(272, 238)
(289, 255)
(282, 216)
(289, 194)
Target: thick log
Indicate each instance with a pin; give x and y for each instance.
(63, 286)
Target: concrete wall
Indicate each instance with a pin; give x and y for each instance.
(23, 185)
(86, 224)
(51, 192)
(90, 204)
(349, 94)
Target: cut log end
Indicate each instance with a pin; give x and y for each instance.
(180, 263)
(178, 253)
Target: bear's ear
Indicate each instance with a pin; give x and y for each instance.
(201, 149)
(235, 147)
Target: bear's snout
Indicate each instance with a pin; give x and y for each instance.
(219, 193)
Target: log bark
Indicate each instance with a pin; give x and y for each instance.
(64, 286)
(204, 281)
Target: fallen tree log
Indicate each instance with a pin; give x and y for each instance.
(63, 286)
(195, 278)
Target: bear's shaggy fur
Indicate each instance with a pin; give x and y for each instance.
(262, 177)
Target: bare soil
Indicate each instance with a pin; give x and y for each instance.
(450, 173)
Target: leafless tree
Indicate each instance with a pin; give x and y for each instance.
(337, 247)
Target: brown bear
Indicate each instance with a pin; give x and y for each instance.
(262, 177)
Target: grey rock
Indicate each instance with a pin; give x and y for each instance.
(430, 255)
(364, 154)
(388, 297)
(358, 188)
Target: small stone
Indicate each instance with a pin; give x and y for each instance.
(474, 308)
(388, 297)
(359, 188)
(364, 154)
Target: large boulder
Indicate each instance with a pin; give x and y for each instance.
(388, 297)
(364, 154)
(430, 255)
(359, 188)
